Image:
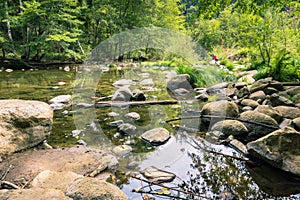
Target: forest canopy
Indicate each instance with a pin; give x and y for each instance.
(262, 32)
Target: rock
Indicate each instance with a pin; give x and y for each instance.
(242, 92)
(293, 91)
(61, 83)
(107, 162)
(84, 105)
(239, 146)
(116, 123)
(156, 136)
(36, 193)
(56, 180)
(288, 111)
(90, 188)
(250, 102)
(230, 127)
(269, 110)
(275, 148)
(240, 85)
(138, 95)
(247, 108)
(123, 83)
(122, 94)
(269, 90)
(216, 89)
(113, 114)
(230, 92)
(202, 97)
(286, 122)
(277, 100)
(23, 124)
(220, 108)
(81, 142)
(247, 79)
(296, 123)
(257, 130)
(65, 99)
(122, 150)
(214, 136)
(57, 106)
(127, 128)
(147, 83)
(181, 91)
(179, 81)
(156, 175)
(76, 132)
(133, 115)
(258, 95)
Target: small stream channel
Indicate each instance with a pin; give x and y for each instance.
(197, 171)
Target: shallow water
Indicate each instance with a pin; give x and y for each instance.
(206, 174)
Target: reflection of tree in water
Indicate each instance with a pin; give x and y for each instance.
(218, 176)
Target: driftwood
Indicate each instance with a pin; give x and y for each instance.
(8, 185)
(163, 186)
(223, 117)
(134, 103)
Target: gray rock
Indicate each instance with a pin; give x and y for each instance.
(116, 123)
(217, 89)
(230, 92)
(90, 188)
(123, 83)
(239, 146)
(122, 150)
(270, 90)
(255, 129)
(65, 99)
(277, 100)
(113, 114)
(106, 162)
(179, 81)
(286, 122)
(202, 97)
(156, 136)
(57, 106)
(156, 175)
(275, 148)
(258, 95)
(23, 124)
(220, 108)
(52, 179)
(84, 105)
(240, 85)
(181, 91)
(214, 136)
(34, 193)
(288, 111)
(293, 91)
(138, 95)
(133, 115)
(127, 128)
(296, 123)
(230, 127)
(269, 110)
(122, 94)
(147, 83)
(76, 132)
(242, 92)
(250, 102)
(247, 79)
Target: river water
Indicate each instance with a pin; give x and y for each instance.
(197, 171)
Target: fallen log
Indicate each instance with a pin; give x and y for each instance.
(133, 103)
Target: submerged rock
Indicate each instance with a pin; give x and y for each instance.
(23, 124)
(116, 123)
(133, 115)
(230, 127)
(156, 175)
(122, 150)
(127, 128)
(280, 148)
(156, 136)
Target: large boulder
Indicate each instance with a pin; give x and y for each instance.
(255, 122)
(230, 127)
(269, 110)
(122, 94)
(179, 81)
(249, 102)
(278, 100)
(23, 124)
(90, 188)
(156, 136)
(288, 111)
(222, 108)
(280, 148)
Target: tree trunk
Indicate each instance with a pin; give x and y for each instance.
(9, 28)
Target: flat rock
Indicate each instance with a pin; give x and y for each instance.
(258, 95)
(116, 123)
(239, 146)
(288, 111)
(240, 85)
(23, 124)
(230, 127)
(122, 150)
(90, 188)
(133, 115)
(127, 128)
(113, 114)
(278, 100)
(53, 179)
(275, 148)
(65, 99)
(123, 83)
(269, 110)
(106, 162)
(156, 175)
(156, 136)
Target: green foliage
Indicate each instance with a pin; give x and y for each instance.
(228, 64)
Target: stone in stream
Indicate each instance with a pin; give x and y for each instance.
(237, 145)
(127, 128)
(23, 124)
(158, 176)
(60, 102)
(296, 123)
(258, 95)
(122, 150)
(138, 95)
(90, 188)
(75, 133)
(156, 136)
(280, 149)
(202, 97)
(147, 83)
(116, 123)
(257, 130)
(113, 114)
(247, 108)
(230, 127)
(249, 102)
(122, 94)
(288, 111)
(123, 83)
(107, 162)
(133, 115)
(179, 81)
(277, 100)
(269, 110)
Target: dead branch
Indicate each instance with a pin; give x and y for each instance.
(6, 172)
(134, 103)
(7, 184)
